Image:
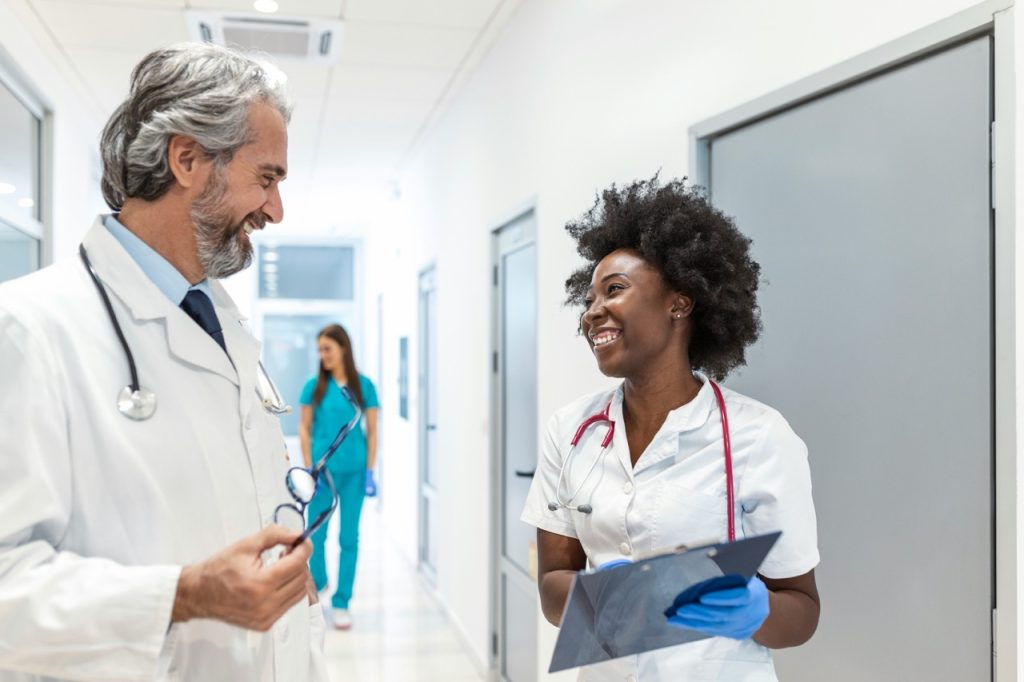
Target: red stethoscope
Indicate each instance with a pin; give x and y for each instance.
(604, 417)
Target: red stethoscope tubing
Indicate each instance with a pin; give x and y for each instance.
(727, 446)
(605, 416)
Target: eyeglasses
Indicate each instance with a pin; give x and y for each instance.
(303, 483)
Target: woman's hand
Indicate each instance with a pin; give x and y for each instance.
(737, 612)
(559, 558)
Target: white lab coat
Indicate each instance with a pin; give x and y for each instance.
(99, 512)
(676, 494)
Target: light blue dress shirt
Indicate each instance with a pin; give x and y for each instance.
(164, 275)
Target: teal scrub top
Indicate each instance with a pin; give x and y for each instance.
(330, 415)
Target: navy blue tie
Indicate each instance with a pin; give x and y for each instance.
(199, 307)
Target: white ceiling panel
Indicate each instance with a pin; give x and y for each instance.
(106, 73)
(87, 24)
(352, 81)
(438, 13)
(303, 132)
(158, 4)
(371, 114)
(344, 145)
(316, 8)
(405, 46)
(306, 81)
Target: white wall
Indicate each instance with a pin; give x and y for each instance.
(27, 50)
(578, 94)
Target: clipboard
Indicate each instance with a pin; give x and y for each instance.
(621, 611)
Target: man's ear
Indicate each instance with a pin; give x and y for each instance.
(682, 307)
(187, 160)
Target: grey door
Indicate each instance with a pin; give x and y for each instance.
(428, 476)
(869, 211)
(516, 436)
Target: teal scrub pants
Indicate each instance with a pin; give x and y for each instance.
(351, 490)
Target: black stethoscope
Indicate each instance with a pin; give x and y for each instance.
(604, 417)
(139, 403)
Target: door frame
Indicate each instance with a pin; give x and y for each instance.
(528, 210)
(428, 570)
(996, 19)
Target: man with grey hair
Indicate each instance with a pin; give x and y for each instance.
(137, 523)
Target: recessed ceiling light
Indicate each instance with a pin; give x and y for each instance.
(26, 202)
(7, 188)
(267, 6)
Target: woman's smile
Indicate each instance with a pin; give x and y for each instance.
(603, 337)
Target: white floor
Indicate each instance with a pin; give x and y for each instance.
(400, 632)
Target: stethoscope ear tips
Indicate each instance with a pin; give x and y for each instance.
(552, 506)
(585, 509)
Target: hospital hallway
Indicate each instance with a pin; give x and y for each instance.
(432, 256)
(400, 631)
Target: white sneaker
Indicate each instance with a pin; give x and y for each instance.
(341, 618)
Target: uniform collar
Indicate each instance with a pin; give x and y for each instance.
(684, 418)
(692, 415)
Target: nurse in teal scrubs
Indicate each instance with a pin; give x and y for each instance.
(324, 411)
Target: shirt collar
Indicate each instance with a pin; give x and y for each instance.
(159, 270)
(692, 415)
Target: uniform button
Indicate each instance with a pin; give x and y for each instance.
(628, 488)
(624, 548)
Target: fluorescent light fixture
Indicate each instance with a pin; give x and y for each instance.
(26, 202)
(265, 6)
(7, 188)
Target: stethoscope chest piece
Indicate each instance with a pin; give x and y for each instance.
(138, 405)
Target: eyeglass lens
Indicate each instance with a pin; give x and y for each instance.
(301, 484)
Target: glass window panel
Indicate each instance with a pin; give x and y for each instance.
(19, 157)
(307, 272)
(19, 253)
(290, 356)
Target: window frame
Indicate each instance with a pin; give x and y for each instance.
(36, 228)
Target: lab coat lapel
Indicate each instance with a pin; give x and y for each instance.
(125, 280)
(243, 347)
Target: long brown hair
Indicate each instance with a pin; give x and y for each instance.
(337, 333)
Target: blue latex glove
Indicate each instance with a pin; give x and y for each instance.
(613, 563)
(737, 612)
(371, 484)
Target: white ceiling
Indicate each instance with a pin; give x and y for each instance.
(355, 122)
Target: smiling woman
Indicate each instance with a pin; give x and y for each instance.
(669, 288)
(696, 249)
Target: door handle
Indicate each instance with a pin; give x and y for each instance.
(526, 474)
(431, 427)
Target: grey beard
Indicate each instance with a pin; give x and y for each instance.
(222, 252)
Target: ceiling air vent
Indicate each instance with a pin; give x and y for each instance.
(285, 38)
